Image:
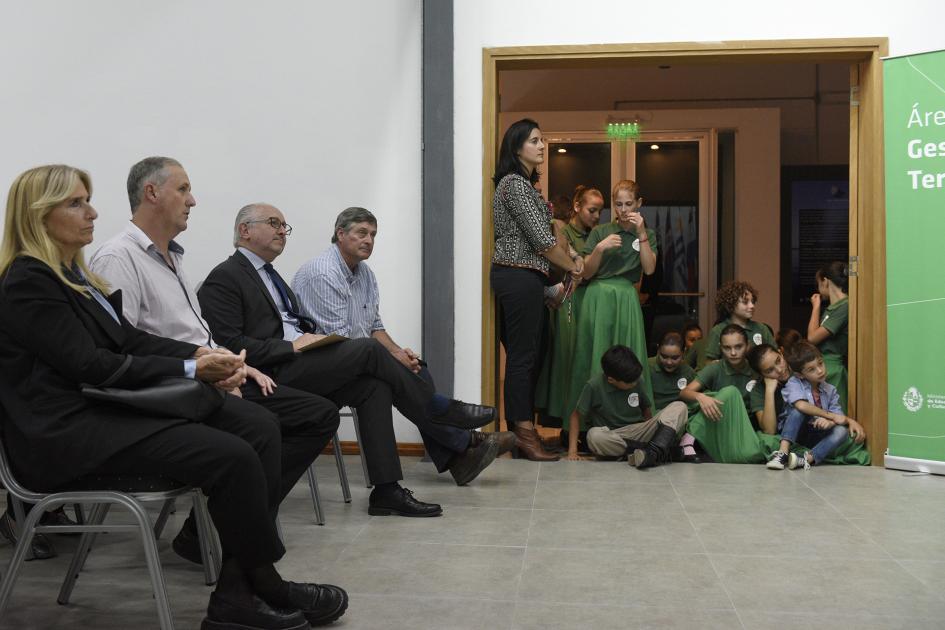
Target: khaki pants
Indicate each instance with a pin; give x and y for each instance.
(610, 442)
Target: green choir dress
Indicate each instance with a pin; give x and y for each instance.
(834, 347)
(735, 438)
(609, 313)
(551, 392)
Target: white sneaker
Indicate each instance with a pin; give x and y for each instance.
(779, 461)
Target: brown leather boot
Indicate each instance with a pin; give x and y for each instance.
(529, 445)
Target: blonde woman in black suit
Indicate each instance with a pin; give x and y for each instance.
(59, 328)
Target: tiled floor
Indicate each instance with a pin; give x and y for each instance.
(574, 545)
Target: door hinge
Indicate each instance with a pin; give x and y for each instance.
(854, 96)
(852, 267)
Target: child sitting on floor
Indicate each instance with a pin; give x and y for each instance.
(619, 414)
(816, 419)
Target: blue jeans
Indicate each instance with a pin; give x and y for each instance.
(798, 428)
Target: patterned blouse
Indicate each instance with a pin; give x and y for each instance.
(522, 225)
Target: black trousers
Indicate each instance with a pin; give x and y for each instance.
(361, 373)
(520, 294)
(235, 458)
(307, 423)
(441, 441)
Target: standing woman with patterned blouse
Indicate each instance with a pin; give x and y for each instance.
(827, 328)
(525, 247)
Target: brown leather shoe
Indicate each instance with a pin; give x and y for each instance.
(506, 440)
(529, 445)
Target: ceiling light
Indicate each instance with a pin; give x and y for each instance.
(562, 150)
(655, 147)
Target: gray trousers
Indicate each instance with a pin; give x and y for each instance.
(610, 442)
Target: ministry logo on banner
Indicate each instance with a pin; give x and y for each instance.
(912, 399)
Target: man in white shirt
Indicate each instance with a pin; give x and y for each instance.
(146, 264)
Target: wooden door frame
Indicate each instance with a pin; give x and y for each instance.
(867, 356)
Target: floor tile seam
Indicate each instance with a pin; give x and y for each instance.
(853, 525)
(647, 607)
(940, 595)
(718, 575)
(622, 552)
(528, 533)
(824, 499)
(449, 544)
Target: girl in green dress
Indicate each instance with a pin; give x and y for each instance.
(555, 378)
(723, 391)
(827, 328)
(616, 256)
(735, 302)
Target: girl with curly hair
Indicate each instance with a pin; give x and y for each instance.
(735, 302)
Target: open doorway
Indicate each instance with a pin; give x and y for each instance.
(845, 135)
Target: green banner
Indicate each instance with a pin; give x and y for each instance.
(914, 106)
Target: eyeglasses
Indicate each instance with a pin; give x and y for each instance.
(274, 223)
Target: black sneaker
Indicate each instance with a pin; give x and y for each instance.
(779, 461)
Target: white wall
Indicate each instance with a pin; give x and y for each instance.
(910, 27)
(311, 106)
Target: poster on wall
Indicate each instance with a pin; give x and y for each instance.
(914, 113)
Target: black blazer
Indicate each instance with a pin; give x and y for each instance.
(53, 339)
(242, 314)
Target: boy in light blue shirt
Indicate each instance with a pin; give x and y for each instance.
(814, 416)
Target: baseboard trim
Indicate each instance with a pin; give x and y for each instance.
(411, 449)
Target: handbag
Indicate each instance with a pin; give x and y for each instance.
(171, 397)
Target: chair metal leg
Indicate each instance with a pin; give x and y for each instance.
(161, 521)
(207, 540)
(19, 517)
(342, 471)
(357, 432)
(96, 517)
(154, 564)
(316, 497)
(24, 542)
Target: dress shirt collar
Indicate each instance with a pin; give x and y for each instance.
(143, 241)
(257, 262)
(345, 269)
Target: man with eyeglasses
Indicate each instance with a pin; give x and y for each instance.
(250, 306)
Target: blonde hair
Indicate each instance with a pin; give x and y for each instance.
(32, 197)
(629, 185)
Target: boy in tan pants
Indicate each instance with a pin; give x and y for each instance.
(620, 417)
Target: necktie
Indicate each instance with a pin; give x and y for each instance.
(305, 324)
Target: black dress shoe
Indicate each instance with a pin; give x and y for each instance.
(187, 544)
(227, 612)
(467, 465)
(465, 415)
(320, 603)
(41, 546)
(58, 517)
(399, 501)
